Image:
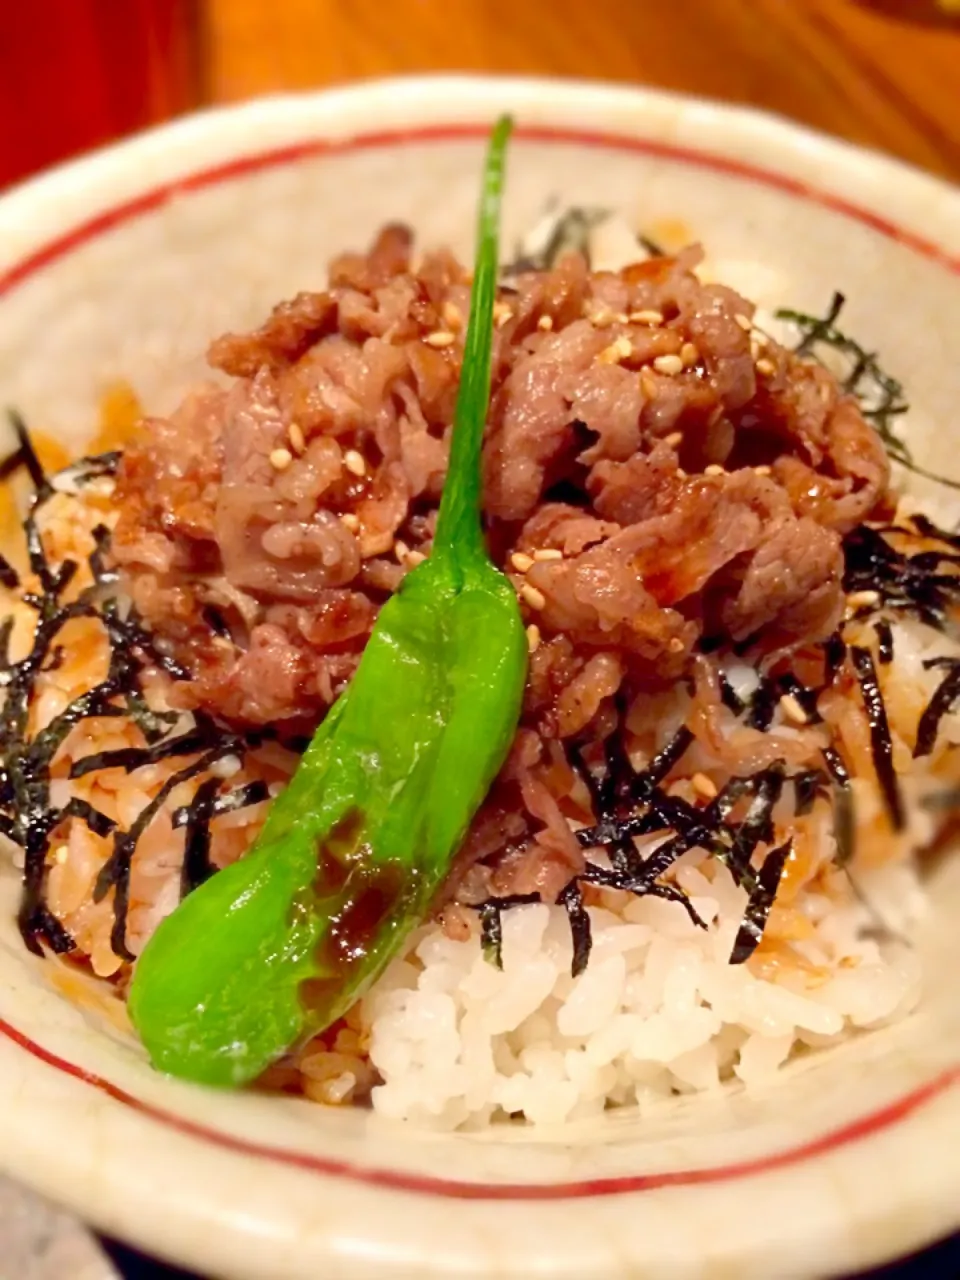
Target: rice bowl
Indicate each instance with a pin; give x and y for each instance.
(575, 1039)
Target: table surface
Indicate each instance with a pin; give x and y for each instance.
(859, 70)
(842, 66)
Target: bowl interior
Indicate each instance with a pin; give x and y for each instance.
(123, 270)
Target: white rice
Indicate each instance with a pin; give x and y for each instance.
(658, 1011)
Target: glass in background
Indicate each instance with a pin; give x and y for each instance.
(75, 74)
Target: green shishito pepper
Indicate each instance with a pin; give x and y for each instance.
(279, 945)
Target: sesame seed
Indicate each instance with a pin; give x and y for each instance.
(673, 439)
(295, 436)
(415, 557)
(533, 637)
(621, 317)
(548, 553)
(452, 316)
(863, 599)
(545, 323)
(618, 350)
(689, 354)
(648, 384)
(676, 645)
(350, 521)
(681, 474)
(704, 786)
(766, 367)
(601, 318)
(401, 550)
(521, 561)
(763, 471)
(534, 598)
(792, 709)
(745, 323)
(440, 338)
(60, 856)
(646, 317)
(501, 314)
(760, 339)
(280, 459)
(668, 364)
(355, 462)
(714, 469)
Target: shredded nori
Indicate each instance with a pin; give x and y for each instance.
(906, 584)
(947, 693)
(844, 825)
(27, 816)
(491, 923)
(884, 641)
(570, 233)
(880, 740)
(762, 898)
(879, 394)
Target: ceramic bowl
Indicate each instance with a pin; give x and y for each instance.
(123, 266)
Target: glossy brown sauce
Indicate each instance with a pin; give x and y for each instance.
(369, 893)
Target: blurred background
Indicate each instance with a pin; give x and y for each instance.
(76, 73)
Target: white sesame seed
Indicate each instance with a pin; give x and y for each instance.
(766, 367)
(681, 474)
(533, 637)
(60, 856)
(704, 786)
(621, 317)
(521, 561)
(534, 598)
(745, 323)
(226, 767)
(760, 339)
(548, 553)
(350, 521)
(863, 599)
(280, 459)
(545, 323)
(648, 384)
(440, 338)
(452, 316)
(295, 436)
(792, 709)
(714, 469)
(501, 314)
(673, 439)
(676, 645)
(415, 557)
(601, 318)
(618, 350)
(646, 317)
(401, 550)
(355, 462)
(689, 354)
(763, 471)
(668, 364)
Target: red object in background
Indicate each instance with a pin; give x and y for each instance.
(75, 74)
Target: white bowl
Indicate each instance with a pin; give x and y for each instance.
(123, 265)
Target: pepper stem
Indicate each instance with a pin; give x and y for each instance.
(459, 529)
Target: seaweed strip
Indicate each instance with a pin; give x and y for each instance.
(491, 923)
(132, 758)
(884, 641)
(808, 788)
(9, 577)
(947, 693)
(763, 703)
(27, 453)
(880, 741)
(757, 826)
(571, 899)
(729, 696)
(844, 825)
(834, 656)
(249, 794)
(197, 866)
(569, 234)
(755, 917)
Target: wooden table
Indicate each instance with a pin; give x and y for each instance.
(842, 66)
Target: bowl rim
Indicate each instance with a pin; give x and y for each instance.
(173, 149)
